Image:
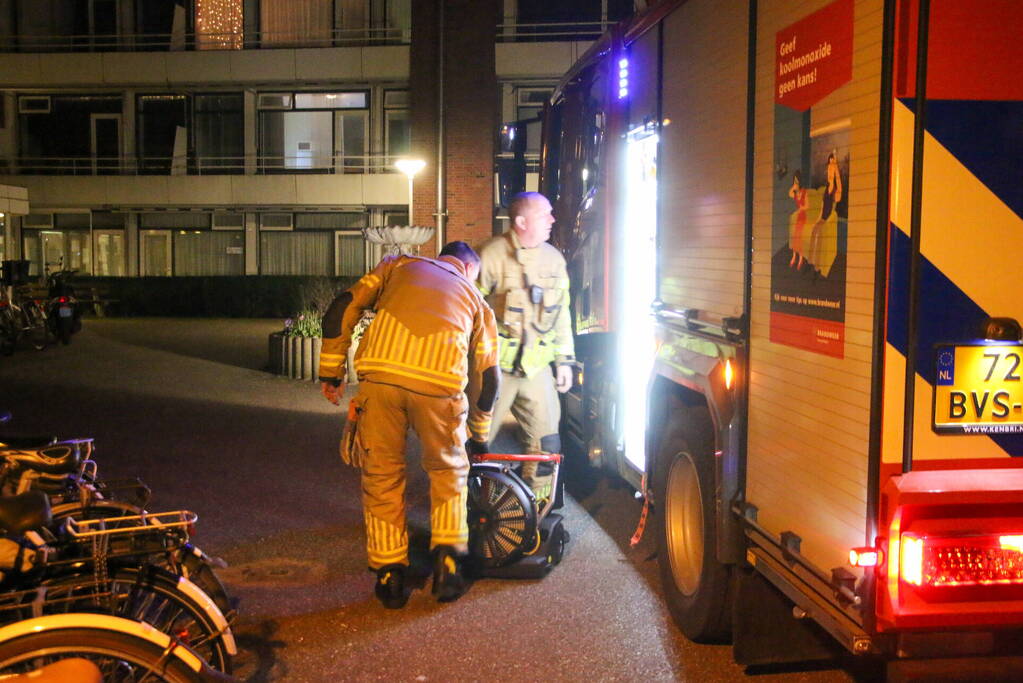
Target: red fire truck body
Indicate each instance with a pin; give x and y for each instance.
(793, 231)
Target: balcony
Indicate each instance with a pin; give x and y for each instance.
(107, 182)
(120, 69)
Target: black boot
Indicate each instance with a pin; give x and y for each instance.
(448, 582)
(390, 586)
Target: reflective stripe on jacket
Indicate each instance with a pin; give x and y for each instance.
(433, 333)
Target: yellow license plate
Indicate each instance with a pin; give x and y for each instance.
(978, 389)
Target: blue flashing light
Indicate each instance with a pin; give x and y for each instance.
(623, 63)
(623, 93)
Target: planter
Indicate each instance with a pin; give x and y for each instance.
(295, 357)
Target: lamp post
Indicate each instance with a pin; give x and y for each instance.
(410, 167)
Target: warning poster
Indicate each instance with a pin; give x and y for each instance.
(813, 59)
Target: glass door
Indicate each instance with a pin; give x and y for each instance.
(109, 250)
(349, 254)
(155, 257)
(105, 143)
(350, 141)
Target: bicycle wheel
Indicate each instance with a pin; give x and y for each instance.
(120, 656)
(8, 331)
(188, 561)
(154, 596)
(35, 325)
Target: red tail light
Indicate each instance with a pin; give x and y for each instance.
(954, 550)
(62, 300)
(993, 560)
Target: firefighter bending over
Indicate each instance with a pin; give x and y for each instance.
(432, 334)
(525, 280)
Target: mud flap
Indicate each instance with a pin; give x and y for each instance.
(769, 633)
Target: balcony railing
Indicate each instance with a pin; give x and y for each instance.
(162, 42)
(362, 37)
(201, 165)
(528, 33)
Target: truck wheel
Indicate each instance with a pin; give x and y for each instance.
(696, 586)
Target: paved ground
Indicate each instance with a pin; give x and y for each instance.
(187, 406)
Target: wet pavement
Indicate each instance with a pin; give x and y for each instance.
(187, 406)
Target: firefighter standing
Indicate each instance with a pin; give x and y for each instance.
(525, 280)
(432, 333)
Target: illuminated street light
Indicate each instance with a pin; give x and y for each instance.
(410, 167)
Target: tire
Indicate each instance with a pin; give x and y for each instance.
(150, 595)
(696, 586)
(64, 326)
(8, 332)
(199, 571)
(196, 568)
(35, 322)
(120, 656)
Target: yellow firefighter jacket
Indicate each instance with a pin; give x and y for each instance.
(528, 290)
(432, 332)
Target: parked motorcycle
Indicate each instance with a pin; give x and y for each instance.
(63, 312)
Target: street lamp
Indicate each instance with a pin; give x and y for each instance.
(410, 167)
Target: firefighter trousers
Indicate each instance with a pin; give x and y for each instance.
(535, 404)
(386, 413)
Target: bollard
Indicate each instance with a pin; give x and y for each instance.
(307, 357)
(317, 345)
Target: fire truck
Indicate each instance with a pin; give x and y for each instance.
(794, 232)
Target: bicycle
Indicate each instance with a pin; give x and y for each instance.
(92, 568)
(20, 314)
(65, 471)
(122, 649)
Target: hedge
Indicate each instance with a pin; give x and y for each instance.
(248, 296)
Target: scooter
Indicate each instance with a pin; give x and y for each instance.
(63, 314)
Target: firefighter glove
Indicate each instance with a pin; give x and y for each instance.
(474, 447)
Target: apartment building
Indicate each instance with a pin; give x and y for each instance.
(258, 137)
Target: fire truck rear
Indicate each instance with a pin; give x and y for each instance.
(794, 232)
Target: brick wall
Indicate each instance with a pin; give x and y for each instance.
(471, 113)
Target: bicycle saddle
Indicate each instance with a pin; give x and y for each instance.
(62, 457)
(21, 513)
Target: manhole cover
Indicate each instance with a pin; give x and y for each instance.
(274, 572)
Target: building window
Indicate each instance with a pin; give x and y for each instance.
(72, 134)
(163, 134)
(62, 247)
(568, 19)
(292, 23)
(349, 254)
(529, 108)
(295, 253)
(155, 253)
(313, 132)
(313, 243)
(160, 25)
(393, 18)
(108, 243)
(218, 123)
(109, 250)
(182, 243)
(219, 25)
(397, 132)
(202, 252)
(62, 25)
